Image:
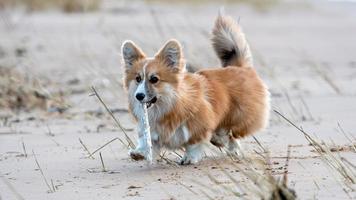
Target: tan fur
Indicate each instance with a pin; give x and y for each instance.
(227, 39)
(230, 98)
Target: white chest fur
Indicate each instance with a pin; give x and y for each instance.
(177, 139)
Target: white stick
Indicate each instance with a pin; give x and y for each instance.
(147, 134)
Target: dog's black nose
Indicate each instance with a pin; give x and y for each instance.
(140, 96)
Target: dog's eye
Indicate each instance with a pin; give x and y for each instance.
(154, 79)
(138, 78)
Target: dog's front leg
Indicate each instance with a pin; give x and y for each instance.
(140, 152)
(156, 146)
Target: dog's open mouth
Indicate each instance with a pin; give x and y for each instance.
(151, 102)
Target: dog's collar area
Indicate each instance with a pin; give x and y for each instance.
(151, 102)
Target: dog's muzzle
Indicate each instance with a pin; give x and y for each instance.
(151, 102)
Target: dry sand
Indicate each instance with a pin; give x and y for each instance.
(306, 52)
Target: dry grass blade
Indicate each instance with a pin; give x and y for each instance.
(102, 162)
(43, 176)
(311, 174)
(260, 145)
(306, 107)
(24, 149)
(169, 161)
(294, 109)
(49, 133)
(323, 74)
(128, 139)
(86, 149)
(329, 158)
(53, 187)
(98, 149)
(343, 161)
(348, 163)
(177, 154)
(347, 137)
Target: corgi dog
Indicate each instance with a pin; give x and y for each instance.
(186, 110)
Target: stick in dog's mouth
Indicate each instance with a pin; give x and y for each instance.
(151, 102)
(147, 132)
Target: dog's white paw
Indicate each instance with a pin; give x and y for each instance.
(193, 155)
(137, 154)
(189, 160)
(235, 150)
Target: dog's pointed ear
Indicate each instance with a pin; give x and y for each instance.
(171, 54)
(131, 53)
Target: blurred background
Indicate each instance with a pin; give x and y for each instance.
(62, 47)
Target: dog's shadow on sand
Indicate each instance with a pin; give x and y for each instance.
(161, 167)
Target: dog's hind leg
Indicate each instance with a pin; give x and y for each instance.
(220, 138)
(193, 154)
(225, 138)
(234, 146)
(235, 149)
(156, 150)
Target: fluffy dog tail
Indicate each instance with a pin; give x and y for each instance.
(229, 43)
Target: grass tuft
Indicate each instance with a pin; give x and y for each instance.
(68, 6)
(334, 161)
(22, 92)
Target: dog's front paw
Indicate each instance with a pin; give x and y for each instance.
(137, 154)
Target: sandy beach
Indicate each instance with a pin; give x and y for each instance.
(305, 51)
